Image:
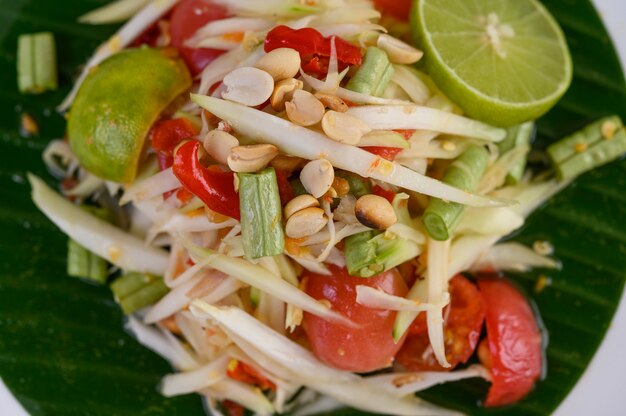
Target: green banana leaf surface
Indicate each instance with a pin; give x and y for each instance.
(63, 349)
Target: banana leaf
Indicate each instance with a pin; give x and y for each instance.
(62, 347)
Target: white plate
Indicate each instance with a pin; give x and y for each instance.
(600, 391)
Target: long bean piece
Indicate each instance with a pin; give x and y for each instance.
(595, 145)
(261, 214)
(464, 173)
(517, 136)
(374, 74)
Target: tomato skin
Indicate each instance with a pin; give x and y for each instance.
(515, 342)
(367, 348)
(313, 47)
(388, 153)
(188, 16)
(406, 133)
(385, 193)
(462, 329)
(284, 187)
(233, 409)
(396, 8)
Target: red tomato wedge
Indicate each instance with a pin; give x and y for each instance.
(514, 339)
(385, 193)
(388, 153)
(367, 348)
(396, 8)
(464, 322)
(189, 16)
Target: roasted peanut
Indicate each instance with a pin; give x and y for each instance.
(344, 128)
(251, 158)
(341, 185)
(287, 163)
(299, 203)
(248, 86)
(398, 51)
(304, 109)
(283, 91)
(281, 63)
(218, 144)
(375, 212)
(332, 101)
(305, 223)
(317, 177)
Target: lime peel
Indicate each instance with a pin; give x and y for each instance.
(503, 61)
(116, 106)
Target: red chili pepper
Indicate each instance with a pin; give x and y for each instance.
(306, 40)
(347, 53)
(212, 185)
(385, 193)
(284, 187)
(316, 65)
(167, 134)
(313, 47)
(388, 153)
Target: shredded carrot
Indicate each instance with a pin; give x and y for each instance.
(235, 37)
(170, 324)
(293, 245)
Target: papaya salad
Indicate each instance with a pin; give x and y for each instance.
(304, 205)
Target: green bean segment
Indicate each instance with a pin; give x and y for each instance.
(36, 63)
(261, 214)
(374, 75)
(519, 135)
(595, 145)
(134, 291)
(464, 173)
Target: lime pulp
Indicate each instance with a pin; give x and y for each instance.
(503, 61)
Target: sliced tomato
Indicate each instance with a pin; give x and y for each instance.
(388, 153)
(462, 327)
(233, 409)
(407, 134)
(514, 340)
(397, 8)
(189, 16)
(367, 348)
(149, 37)
(284, 187)
(385, 193)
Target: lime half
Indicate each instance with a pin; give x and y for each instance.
(503, 61)
(117, 105)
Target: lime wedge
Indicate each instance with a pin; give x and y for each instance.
(503, 61)
(116, 106)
